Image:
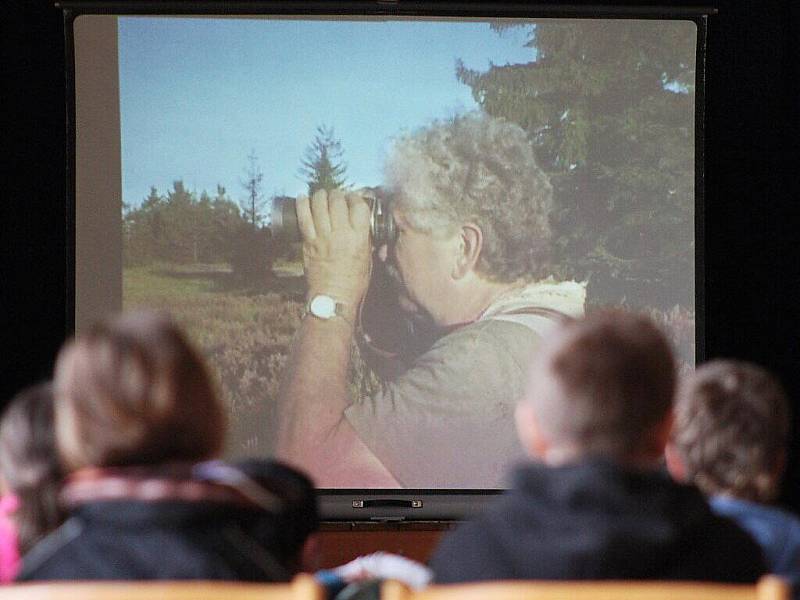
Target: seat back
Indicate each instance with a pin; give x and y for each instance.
(768, 588)
(303, 587)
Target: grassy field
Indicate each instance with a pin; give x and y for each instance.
(244, 335)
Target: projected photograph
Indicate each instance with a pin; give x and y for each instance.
(511, 172)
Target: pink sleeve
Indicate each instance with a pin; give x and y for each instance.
(9, 544)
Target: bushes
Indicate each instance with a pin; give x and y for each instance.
(252, 255)
(245, 339)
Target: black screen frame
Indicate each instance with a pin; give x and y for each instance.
(392, 505)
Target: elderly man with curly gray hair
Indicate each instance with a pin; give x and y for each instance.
(472, 253)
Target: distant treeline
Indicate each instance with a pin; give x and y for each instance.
(180, 227)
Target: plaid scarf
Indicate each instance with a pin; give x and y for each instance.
(206, 482)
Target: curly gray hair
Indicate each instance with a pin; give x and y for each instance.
(480, 169)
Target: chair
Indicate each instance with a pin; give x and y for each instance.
(303, 587)
(768, 588)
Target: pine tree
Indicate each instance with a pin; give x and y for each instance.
(254, 203)
(180, 221)
(226, 221)
(322, 164)
(143, 230)
(250, 253)
(609, 110)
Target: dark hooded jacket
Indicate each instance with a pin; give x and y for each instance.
(248, 523)
(153, 540)
(596, 520)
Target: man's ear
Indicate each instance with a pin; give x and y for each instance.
(657, 438)
(530, 435)
(470, 244)
(675, 464)
(662, 432)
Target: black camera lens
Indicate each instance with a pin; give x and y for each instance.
(285, 226)
(382, 225)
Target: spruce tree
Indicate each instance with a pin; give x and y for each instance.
(322, 164)
(254, 203)
(609, 109)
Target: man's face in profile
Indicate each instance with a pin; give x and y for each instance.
(420, 263)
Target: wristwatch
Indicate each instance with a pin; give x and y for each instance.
(324, 307)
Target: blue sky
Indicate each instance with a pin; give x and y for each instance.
(198, 95)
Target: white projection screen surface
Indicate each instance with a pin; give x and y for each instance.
(194, 135)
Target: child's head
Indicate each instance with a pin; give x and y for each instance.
(600, 386)
(132, 391)
(730, 432)
(29, 465)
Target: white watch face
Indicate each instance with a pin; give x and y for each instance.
(322, 306)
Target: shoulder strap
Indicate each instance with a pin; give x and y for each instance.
(245, 544)
(48, 546)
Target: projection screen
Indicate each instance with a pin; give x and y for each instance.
(195, 135)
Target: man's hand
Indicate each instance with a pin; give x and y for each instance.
(313, 432)
(336, 246)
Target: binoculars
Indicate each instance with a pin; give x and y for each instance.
(381, 223)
